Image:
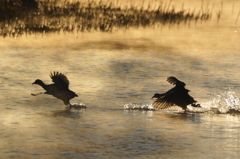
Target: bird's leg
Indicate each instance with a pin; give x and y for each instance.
(37, 94)
(185, 110)
(70, 106)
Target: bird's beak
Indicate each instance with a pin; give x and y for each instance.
(33, 83)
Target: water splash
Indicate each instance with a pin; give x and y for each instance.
(226, 102)
(132, 106)
(174, 109)
(79, 106)
(149, 107)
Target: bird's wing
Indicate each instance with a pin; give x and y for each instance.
(175, 81)
(59, 79)
(162, 104)
(164, 101)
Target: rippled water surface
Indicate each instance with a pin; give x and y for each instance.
(125, 67)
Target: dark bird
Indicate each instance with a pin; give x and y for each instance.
(177, 96)
(59, 89)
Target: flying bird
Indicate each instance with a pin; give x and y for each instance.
(59, 88)
(177, 96)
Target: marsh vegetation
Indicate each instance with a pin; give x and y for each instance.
(35, 16)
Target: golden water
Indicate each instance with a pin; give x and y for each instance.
(109, 70)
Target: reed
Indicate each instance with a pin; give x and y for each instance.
(237, 17)
(52, 16)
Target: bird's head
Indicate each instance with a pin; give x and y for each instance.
(38, 81)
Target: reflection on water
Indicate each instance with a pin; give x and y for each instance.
(110, 70)
(108, 133)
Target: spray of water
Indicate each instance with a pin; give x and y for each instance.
(132, 106)
(226, 102)
(78, 106)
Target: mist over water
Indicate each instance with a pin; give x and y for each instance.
(125, 67)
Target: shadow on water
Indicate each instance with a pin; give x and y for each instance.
(185, 116)
(73, 112)
(66, 113)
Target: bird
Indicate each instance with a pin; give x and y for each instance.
(177, 96)
(59, 88)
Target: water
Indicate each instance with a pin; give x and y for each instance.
(111, 70)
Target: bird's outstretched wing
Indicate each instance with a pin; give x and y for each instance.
(59, 79)
(162, 104)
(164, 101)
(175, 81)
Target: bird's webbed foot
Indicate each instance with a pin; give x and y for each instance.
(195, 105)
(33, 94)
